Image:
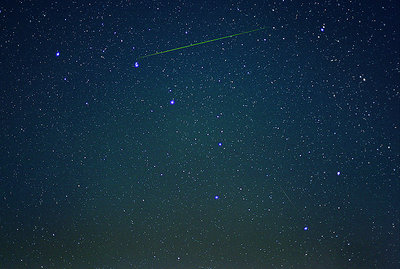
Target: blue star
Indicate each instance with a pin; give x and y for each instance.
(220, 144)
(306, 228)
(172, 102)
(136, 64)
(216, 197)
(57, 53)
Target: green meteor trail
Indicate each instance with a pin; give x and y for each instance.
(200, 43)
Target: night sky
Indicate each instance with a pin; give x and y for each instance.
(277, 148)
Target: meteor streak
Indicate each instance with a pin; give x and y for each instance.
(200, 43)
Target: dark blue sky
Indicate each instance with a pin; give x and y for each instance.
(280, 148)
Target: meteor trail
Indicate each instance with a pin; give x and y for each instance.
(200, 43)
